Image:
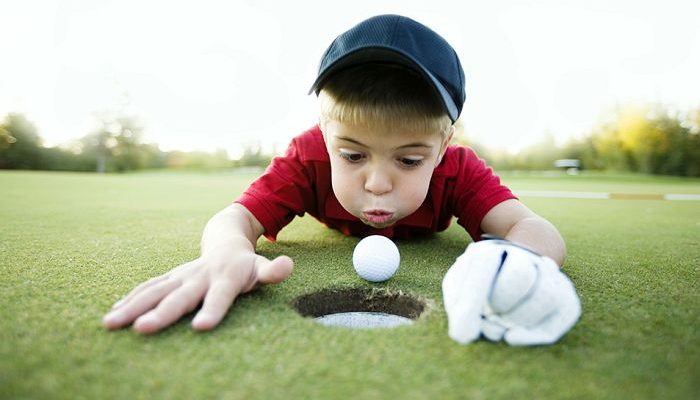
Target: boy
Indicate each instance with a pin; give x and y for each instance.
(379, 162)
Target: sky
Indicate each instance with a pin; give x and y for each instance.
(206, 75)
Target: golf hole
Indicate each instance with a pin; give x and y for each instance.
(360, 308)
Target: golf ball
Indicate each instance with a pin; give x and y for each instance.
(376, 258)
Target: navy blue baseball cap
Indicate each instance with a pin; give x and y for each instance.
(400, 40)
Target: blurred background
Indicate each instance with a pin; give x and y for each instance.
(114, 86)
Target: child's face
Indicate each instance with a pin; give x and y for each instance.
(381, 176)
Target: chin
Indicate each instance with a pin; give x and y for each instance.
(379, 226)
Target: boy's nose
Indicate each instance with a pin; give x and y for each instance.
(378, 182)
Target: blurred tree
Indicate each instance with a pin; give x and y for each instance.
(648, 139)
(198, 160)
(116, 144)
(584, 150)
(538, 156)
(607, 145)
(692, 122)
(254, 156)
(643, 138)
(6, 140)
(60, 159)
(98, 146)
(673, 156)
(463, 138)
(20, 144)
(128, 153)
(152, 156)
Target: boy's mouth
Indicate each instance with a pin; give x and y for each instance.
(378, 216)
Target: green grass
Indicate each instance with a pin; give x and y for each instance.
(72, 244)
(601, 182)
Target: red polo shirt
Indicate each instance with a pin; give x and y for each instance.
(300, 182)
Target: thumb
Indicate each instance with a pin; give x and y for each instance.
(274, 271)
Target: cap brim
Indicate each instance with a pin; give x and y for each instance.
(373, 54)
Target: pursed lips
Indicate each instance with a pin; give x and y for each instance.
(378, 216)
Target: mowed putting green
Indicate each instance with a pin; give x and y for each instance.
(72, 244)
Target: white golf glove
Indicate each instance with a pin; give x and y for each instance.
(504, 291)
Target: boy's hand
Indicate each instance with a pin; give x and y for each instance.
(503, 291)
(214, 281)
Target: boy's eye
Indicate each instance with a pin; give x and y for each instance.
(410, 162)
(351, 156)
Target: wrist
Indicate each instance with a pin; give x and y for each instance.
(226, 247)
(500, 240)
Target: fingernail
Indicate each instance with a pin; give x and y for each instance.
(146, 319)
(198, 319)
(201, 321)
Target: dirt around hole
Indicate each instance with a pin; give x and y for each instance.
(341, 300)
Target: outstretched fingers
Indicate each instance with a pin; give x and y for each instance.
(176, 304)
(223, 292)
(138, 289)
(138, 302)
(161, 301)
(217, 302)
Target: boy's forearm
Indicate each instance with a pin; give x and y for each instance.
(232, 227)
(541, 236)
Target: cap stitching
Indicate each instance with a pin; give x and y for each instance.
(392, 38)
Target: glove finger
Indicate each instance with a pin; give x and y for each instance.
(542, 300)
(551, 329)
(465, 291)
(453, 280)
(492, 330)
(515, 280)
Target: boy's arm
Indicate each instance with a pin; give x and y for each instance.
(512, 220)
(227, 267)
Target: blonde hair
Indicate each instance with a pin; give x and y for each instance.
(384, 96)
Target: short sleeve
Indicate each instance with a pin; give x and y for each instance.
(477, 191)
(281, 193)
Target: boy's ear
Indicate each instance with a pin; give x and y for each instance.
(445, 142)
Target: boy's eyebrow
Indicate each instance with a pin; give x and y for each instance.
(351, 140)
(415, 144)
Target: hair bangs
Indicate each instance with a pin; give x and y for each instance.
(384, 96)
